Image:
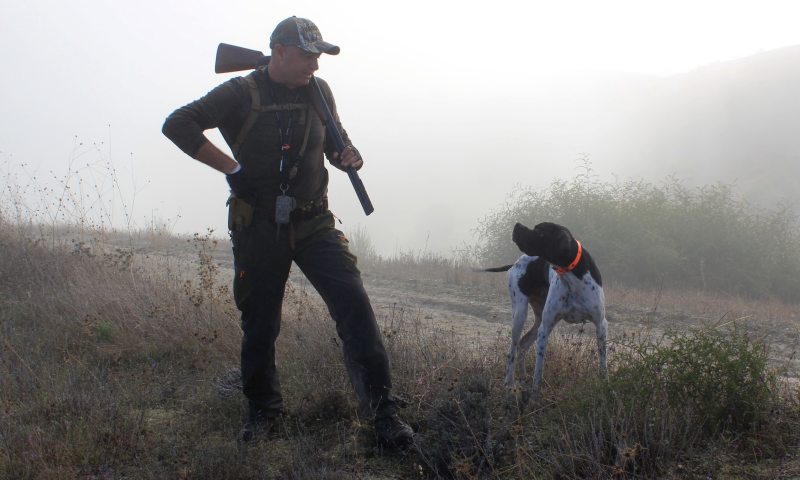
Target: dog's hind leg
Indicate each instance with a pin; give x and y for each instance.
(530, 335)
(528, 339)
(519, 314)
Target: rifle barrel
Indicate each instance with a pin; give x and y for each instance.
(330, 122)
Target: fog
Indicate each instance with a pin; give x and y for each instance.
(452, 104)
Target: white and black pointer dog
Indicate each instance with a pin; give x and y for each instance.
(560, 280)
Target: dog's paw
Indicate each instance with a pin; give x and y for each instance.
(530, 396)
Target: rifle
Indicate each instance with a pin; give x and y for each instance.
(231, 58)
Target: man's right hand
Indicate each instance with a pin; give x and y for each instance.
(238, 183)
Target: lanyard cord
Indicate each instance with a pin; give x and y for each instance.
(286, 138)
(284, 133)
(286, 169)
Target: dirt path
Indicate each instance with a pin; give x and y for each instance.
(483, 310)
(486, 311)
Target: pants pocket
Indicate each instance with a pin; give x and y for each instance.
(240, 214)
(242, 284)
(242, 287)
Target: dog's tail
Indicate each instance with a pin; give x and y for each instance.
(494, 269)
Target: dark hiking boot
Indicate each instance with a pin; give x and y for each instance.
(258, 424)
(393, 432)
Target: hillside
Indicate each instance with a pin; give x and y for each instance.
(732, 122)
(729, 121)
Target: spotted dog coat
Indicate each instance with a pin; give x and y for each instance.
(560, 281)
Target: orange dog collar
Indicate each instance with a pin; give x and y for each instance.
(562, 270)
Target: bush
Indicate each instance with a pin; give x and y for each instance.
(720, 380)
(665, 401)
(643, 234)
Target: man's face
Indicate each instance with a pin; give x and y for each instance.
(295, 66)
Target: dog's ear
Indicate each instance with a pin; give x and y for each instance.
(516, 234)
(522, 236)
(564, 236)
(564, 242)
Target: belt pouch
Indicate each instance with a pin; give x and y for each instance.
(240, 214)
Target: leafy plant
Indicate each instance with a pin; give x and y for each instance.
(646, 234)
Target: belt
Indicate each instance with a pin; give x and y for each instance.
(306, 211)
(309, 210)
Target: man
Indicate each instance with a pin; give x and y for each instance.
(271, 120)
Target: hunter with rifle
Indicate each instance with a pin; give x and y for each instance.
(280, 122)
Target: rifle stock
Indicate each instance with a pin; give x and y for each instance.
(231, 58)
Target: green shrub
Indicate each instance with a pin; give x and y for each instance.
(666, 400)
(644, 234)
(719, 379)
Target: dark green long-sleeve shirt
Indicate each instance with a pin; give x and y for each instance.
(227, 107)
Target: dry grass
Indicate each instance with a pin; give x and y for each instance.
(118, 354)
(112, 362)
(99, 358)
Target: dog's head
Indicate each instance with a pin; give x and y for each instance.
(547, 240)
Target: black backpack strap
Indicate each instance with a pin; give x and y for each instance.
(255, 110)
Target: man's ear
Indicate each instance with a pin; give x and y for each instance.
(278, 51)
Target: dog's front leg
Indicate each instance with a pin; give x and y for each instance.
(548, 322)
(519, 314)
(601, 326)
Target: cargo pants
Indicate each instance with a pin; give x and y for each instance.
(261, 264)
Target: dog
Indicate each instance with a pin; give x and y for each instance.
(560, 281)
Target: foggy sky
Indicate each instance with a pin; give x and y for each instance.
(451, 103)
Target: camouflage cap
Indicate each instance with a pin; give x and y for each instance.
(302, 33)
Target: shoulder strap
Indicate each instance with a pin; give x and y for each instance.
(316, 103)
(256, 108)
(317, 97)
(252, 116)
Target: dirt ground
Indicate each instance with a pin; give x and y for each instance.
(484, 310)
(476, 304)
